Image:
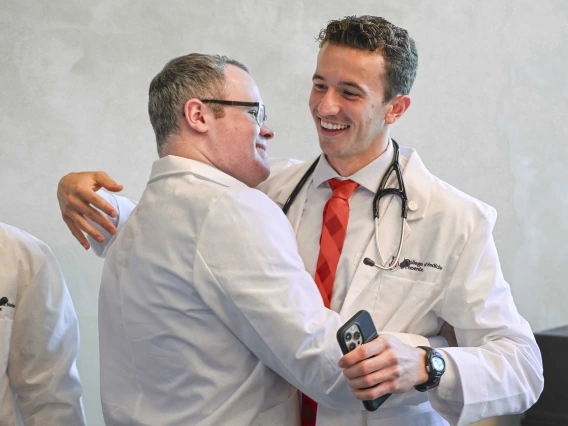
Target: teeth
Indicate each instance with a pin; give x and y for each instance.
(331, 126)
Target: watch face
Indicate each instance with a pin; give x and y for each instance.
(438, 364)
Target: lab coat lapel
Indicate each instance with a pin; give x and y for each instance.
(295, 213)
(389, 218)
(418, 182)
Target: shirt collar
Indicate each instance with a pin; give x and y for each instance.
(172, 165)
(369, 177)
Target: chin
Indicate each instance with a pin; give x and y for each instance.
(258, 176)
(332, 150)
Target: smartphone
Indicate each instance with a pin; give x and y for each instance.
(358, 330)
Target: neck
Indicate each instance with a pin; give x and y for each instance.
(191, 149)
(349, 165)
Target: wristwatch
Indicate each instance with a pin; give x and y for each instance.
(435, 367)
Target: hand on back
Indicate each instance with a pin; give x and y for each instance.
(78, 201)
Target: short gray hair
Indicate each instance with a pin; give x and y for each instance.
(191, 76)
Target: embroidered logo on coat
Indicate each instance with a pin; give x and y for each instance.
(414, 265)
(5, 302)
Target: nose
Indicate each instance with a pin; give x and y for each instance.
(266, 132)
(328, 104)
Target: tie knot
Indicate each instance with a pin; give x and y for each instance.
(342, 188)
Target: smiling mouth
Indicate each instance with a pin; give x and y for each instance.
(332, 128)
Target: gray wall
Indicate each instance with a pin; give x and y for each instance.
(488, 115)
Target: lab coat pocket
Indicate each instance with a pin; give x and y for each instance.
(407, 306)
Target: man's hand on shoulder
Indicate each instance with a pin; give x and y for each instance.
(77, 198)
(384, 365)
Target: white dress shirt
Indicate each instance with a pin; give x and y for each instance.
(39, 337)
(360, 228)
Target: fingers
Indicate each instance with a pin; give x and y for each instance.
(96, 217)
(79, 236)
(78, 205)
(78, 202)
(370, 365)
(390, 372)
(106, 182)
(375, 392)
(81, 201)
(363, 352)
(84, 226)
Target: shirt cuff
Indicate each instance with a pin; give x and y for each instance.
(438, 342)
(450, 387)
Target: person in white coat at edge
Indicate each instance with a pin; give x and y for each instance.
(39, 337)
(449, 269)
(207, 315)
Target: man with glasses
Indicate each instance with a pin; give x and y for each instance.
(206, 313)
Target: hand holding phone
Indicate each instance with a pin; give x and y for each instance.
(355, 332)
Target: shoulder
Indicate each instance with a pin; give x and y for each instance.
(17, 244)
(278, 164)
(445, 201)
(22, 257)
(284, 179)
(247, 214)
(247, 204)
(460, 202)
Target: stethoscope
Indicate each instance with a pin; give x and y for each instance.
(381, 192)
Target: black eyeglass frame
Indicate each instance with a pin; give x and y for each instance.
(240, 103)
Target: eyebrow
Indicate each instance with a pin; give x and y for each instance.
(341, 83)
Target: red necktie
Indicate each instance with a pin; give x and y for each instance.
(334, 228)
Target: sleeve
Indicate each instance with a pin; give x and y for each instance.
(123, 207)
(254, 280)
(497, 368)
(44, 348)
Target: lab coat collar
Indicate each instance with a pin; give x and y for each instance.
(369, 177)
(171, 165)
(418, 182)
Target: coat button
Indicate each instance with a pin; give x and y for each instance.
(413, 205)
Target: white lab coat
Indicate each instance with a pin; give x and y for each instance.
(39, 337)
(206, 313)
(498, 367)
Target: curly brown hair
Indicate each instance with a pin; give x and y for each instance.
(373, 33)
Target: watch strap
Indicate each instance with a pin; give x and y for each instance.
(434, 375)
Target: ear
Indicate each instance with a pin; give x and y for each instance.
(399, 105)
(195, 115)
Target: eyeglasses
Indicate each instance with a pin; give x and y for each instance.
(260, 114)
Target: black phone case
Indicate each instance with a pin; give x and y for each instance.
(368, 333)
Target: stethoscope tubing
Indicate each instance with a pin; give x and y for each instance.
(380, 193)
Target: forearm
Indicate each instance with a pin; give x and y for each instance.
(501, 377)
(497, 366)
